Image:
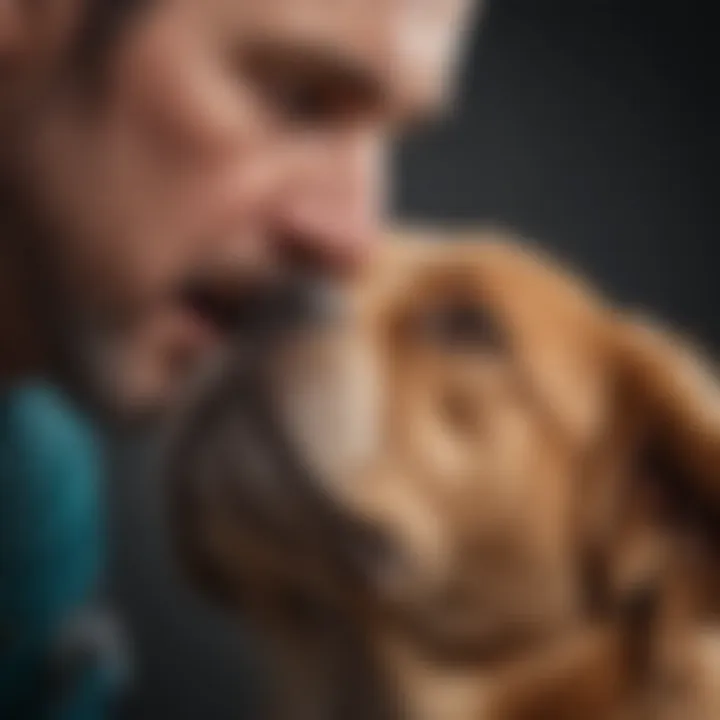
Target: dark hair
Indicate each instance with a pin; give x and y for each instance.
(102, 22)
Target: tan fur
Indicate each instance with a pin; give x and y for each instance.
(542, 506)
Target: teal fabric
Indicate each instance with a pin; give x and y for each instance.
(51, 548)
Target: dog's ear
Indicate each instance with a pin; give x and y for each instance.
(650, 511)
(675, 393)
(668, 405)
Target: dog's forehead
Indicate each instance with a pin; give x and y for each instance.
(556, 325)
(515, 281)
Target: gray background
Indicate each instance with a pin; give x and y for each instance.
(589, 125)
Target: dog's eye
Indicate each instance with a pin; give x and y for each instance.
(460, 325)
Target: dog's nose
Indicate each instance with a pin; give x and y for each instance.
(293, 304)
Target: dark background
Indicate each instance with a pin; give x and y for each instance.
(589, 125)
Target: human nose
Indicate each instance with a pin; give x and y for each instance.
(331, 208)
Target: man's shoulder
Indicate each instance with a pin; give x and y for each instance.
(39, 423)
(49, 457)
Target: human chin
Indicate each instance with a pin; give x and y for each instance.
(119, 378)
(142, 375)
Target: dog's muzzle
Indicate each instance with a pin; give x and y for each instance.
(234, 441)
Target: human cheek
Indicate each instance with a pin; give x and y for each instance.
(180, 81)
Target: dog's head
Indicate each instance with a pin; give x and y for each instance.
(465, 439)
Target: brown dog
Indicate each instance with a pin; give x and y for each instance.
(463, 488)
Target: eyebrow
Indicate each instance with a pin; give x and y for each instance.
(331, 67)
(279, 58)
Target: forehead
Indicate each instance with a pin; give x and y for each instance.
(409, 46)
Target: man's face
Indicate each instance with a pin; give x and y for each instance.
(230, 140)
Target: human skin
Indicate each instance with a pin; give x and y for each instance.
(214, 141)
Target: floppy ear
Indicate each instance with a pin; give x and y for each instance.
(677, 394)
(669, 398)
